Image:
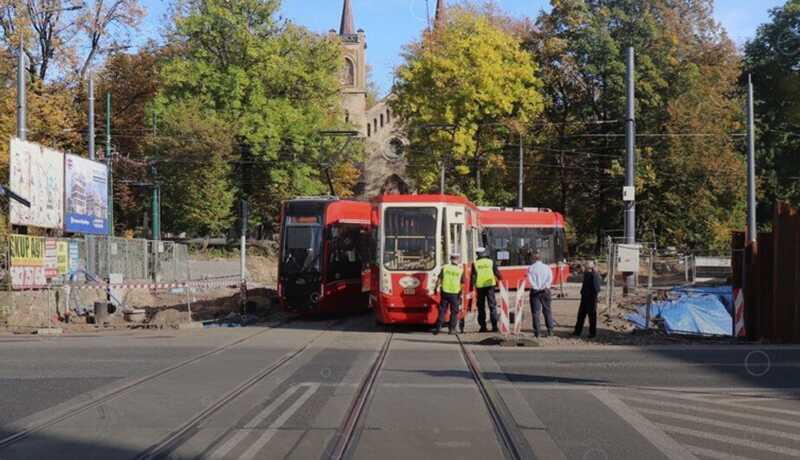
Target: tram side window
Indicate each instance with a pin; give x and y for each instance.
(345, 258)
(515, 246)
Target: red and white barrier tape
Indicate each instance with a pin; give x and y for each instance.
(738, 313)
(160, 286)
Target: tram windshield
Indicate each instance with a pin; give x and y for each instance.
(515, 246)
(409, 239)
(301, 248)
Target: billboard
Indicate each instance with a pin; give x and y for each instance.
(37, 174)
(86, 190)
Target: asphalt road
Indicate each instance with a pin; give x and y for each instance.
(347, 389)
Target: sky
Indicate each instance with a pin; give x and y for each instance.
(390, 24)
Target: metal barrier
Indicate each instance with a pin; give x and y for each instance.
(33, 262)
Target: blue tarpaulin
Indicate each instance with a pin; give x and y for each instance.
(695, 311)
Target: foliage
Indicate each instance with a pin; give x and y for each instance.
(690, 169)
(274, 85)
(460, 92)
(194, 171)
(67, 37)
(772, 58)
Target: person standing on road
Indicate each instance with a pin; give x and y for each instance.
(485, 276)
(451, 281)
(589, 292)
(540, 277)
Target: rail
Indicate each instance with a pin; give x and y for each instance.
(344, 441)
(511, 438)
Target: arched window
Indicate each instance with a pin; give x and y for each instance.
(347, 116)
(369, 130)
(381, 120)
(388, 116)
(375, 122)
(349, 72)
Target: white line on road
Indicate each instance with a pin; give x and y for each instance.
(695, 408)
(665, 444)
(731, 440)
(731, 402)
(715, 454)
(240, 435)
(278, 423)
(734, 426)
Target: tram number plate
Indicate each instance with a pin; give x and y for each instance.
(409, 291)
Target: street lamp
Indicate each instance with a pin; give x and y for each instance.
(21, 96)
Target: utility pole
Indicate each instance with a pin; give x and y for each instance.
(442, 175)
(109, 165)
(91, 116)
(21, 89)
(752, 230)
(520, 199)
(629, 194)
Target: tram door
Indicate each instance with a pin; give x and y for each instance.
(457, 242)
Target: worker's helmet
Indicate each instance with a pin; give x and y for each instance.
(481, 251)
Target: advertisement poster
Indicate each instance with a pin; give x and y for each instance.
(37, 174)
(86, 190)
(27, 262)
(75, 256)
(50, 258)
(62, 252)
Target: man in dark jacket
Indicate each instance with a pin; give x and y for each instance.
(589, 292)
(484, 278)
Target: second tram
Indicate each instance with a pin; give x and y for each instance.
(323, 247)
(512, 235)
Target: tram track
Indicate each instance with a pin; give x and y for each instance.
(125, 389)
(163, 448)
(512, 441)
(346, 437)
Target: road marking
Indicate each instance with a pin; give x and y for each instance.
(223, 450)
(665, 444)
(717, 423)
(715, 454)
(278, 423)
(733, 402)
(728, 413)
(730, 440)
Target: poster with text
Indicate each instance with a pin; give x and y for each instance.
(86, 185)
(37, 174)
(27, 262)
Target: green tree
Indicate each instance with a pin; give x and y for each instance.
(772, 58)
(273, 84)
(461, 93)
(194, 169)
(688, 109)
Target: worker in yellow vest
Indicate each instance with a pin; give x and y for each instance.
(451, 281)
(485, 276)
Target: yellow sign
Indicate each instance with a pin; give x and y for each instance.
(63, 257)
(27, 251)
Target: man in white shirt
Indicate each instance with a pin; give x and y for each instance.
(540, 278)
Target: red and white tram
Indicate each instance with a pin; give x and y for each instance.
(511, 235)
(324, 244)
(414, 237)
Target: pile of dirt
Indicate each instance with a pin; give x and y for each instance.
(263, 270)
(170, 318)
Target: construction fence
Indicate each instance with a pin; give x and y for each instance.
(34, 262)
(768, 273)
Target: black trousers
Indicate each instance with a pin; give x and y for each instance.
(588, 307)
(453, 303)
(486, 295)
(540, 303)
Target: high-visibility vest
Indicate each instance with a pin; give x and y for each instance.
(484, 269)
(451, 279)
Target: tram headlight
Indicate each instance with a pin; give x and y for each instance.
(386, 283)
